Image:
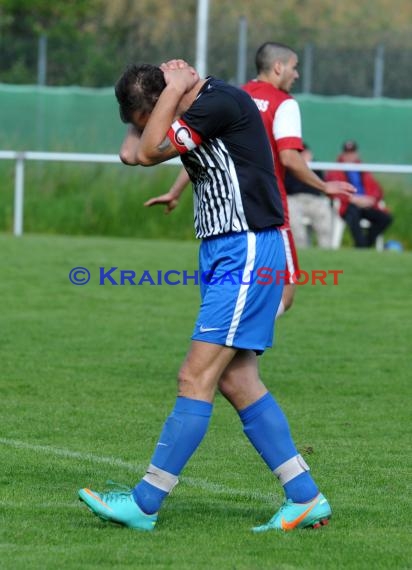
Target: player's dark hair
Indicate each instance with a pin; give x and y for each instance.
(269, 52)
(138, 89)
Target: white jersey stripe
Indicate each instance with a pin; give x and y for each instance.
(290, 266)
(241, 299)
(237, 195)
(218, 201)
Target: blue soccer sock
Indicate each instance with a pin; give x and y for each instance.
(182, 433)
(267, 428)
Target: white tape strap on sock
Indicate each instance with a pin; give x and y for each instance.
(291, 469)
(161, 479)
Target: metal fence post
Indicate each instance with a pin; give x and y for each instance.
(307, 68)
(19, 195)
(202, 36)
(42, 61)
(379, 69)
(242, 51)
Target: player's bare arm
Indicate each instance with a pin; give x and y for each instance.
(131, 144)
(293, 160)
(146, 146)
(152, 148)
(171, 198)
(134, 152)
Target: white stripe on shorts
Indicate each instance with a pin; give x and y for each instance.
(290, 266)
(241, 298)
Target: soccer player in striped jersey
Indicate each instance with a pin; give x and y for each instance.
(216, 130)
(276, 66)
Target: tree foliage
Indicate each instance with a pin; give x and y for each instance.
(89, 41)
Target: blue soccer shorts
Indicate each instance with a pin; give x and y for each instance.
(240, 289)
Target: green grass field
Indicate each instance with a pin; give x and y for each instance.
(88, 377)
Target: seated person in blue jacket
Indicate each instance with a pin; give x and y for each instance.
(367, 203)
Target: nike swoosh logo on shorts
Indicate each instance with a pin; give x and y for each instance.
(203, 329)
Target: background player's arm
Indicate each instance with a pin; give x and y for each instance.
(293, 160)
(171, 198)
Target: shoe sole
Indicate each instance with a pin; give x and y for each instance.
(313, 524)
(319, 523)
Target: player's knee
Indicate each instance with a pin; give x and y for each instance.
(184, 377)
(288, 304)
(229, 385)
(288, 298)
(195, 385)
(288, 295)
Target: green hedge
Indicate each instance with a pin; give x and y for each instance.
(86, 199)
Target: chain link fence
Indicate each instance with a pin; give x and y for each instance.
(380, 67)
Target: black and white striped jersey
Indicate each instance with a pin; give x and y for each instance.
(224, 148)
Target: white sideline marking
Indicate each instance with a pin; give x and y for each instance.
(134, 467)
(17, 444)
(16, 505)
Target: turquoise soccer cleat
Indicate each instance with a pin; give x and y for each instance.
(118, 507)
(314, 514)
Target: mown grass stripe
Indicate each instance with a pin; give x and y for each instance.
(133, 467)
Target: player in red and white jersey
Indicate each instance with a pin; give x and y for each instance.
(276, 66)
(281, 117)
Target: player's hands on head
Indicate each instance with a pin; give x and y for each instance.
(180, 74)
(168, 199)
(174, 64)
